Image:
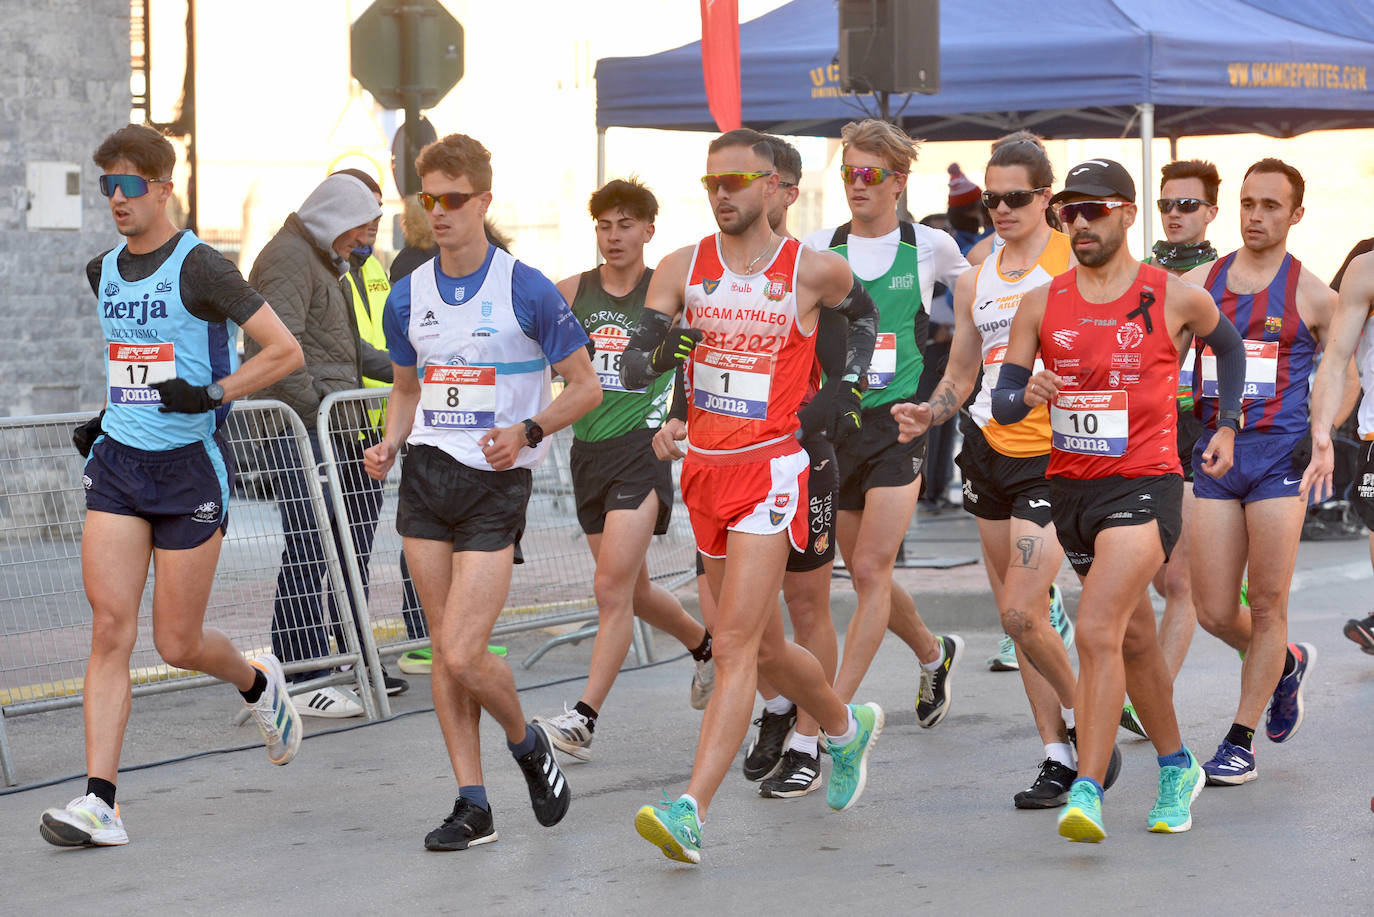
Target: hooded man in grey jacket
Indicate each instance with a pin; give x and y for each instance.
(303, 268)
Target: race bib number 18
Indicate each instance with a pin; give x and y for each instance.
(883, 367)
(459, 397)
(731, 383)
(610, 347)
(134, 367)
(1090, 423)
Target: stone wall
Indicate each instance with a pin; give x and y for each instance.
(64, 85)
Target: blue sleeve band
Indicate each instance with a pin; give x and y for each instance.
(1008, 398)
(544, 315)
(396, 324)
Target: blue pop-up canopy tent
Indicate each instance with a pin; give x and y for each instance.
(1093, 68)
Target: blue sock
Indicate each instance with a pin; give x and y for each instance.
(477, 795)
(1097, 787)
(526, 745)
(1177, 759)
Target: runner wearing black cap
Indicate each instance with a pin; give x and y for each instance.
(1110, 332)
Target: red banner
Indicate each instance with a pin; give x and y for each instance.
(720, 60)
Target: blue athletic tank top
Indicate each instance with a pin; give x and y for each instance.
(1276, 383)
(151, 336)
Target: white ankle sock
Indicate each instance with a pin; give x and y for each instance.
(1067, 714)
(807, 745)
(695, 808)
(850, 731)
(1061, 752)
(777, 705)
(932, 666)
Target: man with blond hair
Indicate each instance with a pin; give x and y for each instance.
(472, 334)
(880, 477)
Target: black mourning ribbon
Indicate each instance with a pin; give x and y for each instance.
(1147, 299)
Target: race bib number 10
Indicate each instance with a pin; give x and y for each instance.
(1261, 370)
(1090, 423)
(134, 367)
(731, 383)
(883, 367)
(459, 397)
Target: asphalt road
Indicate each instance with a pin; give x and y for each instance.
(340, 830)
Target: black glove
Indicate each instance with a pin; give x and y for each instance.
(181, 397)
(84, 436)
(674, 349)
(844, 418)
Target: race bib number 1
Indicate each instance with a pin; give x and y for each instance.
(883, 367)
(731, 383)
(459, 397)
(134, 367)
(1090, 423)
(1261, 370)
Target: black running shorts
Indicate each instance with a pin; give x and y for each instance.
(998, 486)
(821, 485)
(873, 458)
(1083, 508)
(1362, 494)
(441, 499)
(618, 473)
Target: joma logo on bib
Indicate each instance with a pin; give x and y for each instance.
(138, 310)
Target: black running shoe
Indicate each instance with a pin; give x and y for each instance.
(766, 750)
(468, 825)
(549, 793)
(1113, 766)
(393, 684)
(1362, 632)
(797, 775)
(1050, 789)
(932, 701)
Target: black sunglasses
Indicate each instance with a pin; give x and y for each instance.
(450, 201)
(1014, 199)
(1184, 204)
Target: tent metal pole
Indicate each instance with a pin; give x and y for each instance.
(600, 172)
(1147, 168)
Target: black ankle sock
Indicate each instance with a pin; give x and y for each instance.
(1240, 735)
(588, 714)
(253, 694)
(1288, 662)
(102, 788)
(703, 652)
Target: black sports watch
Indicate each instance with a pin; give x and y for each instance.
(216, 392)
(534, 434)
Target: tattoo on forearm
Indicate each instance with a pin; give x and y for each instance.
(1027, 552)
(943, 405)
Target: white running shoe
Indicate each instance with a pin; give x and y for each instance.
(331, 702)
(275, 714)
(85, 822)
(703, 683)
(569, 732)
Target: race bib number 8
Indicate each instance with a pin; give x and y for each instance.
(610, 347)
(459, 397)
(883, 367)
(134, 367)
(731, 383)
(1261, 370)
(1090, 423)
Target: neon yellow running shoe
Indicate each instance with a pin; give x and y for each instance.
(672, 827)
(1081, 819)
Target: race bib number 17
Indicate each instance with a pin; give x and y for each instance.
(134, 367)
(459, 397)
(731, 383)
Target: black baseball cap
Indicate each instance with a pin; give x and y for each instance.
(1098, 178)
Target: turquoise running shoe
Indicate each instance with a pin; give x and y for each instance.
(1081, 819)
(1178, 787)
(1059, 618)
(1004, 660)
(672, 827)
(849, 773)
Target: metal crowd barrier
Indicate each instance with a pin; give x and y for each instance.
(552, 587)
(45, 620)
